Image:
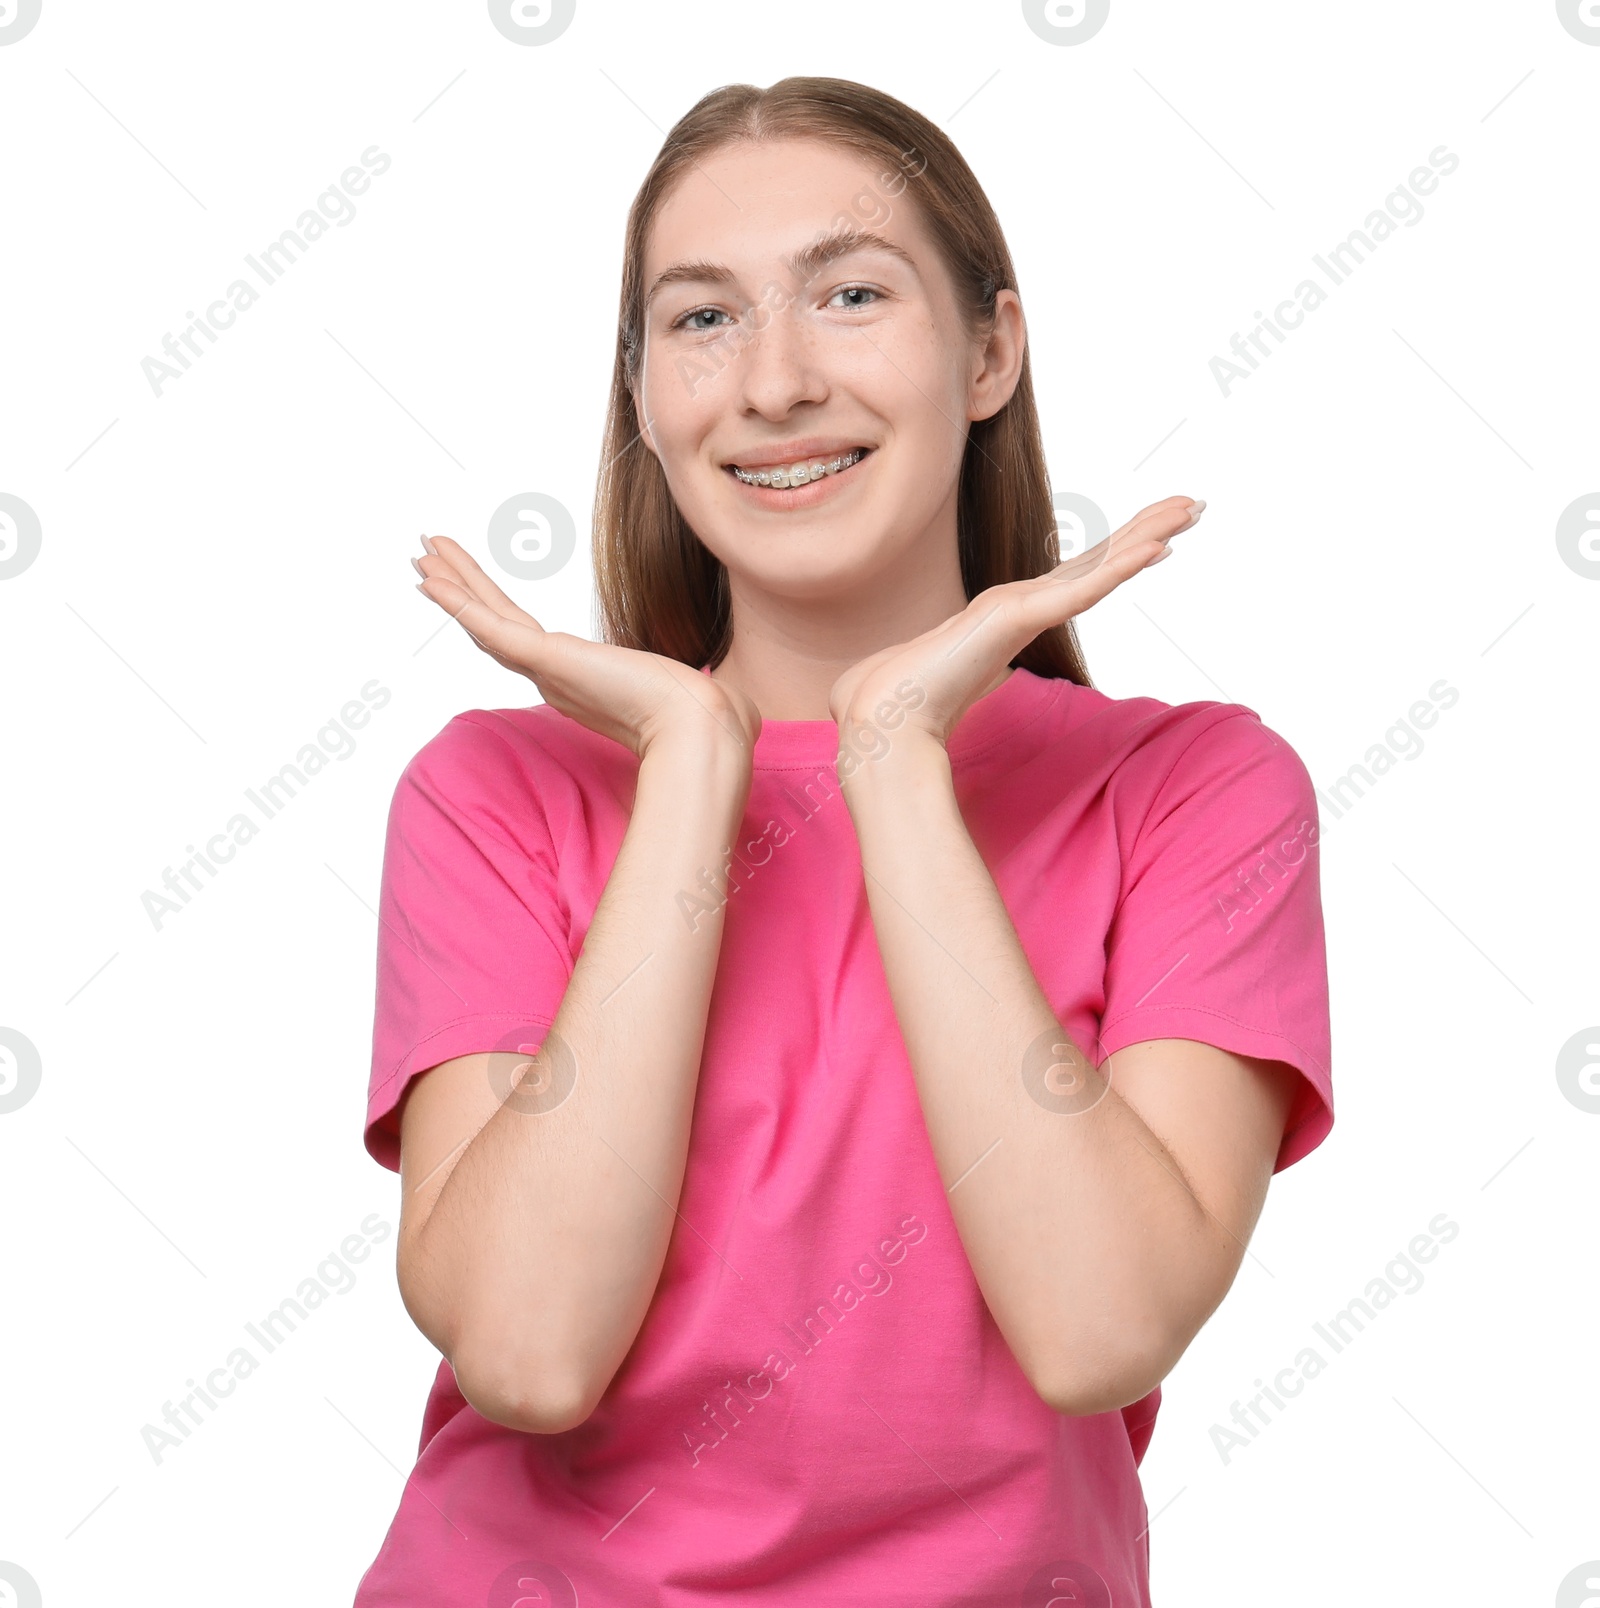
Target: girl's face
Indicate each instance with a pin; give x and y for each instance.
(797, 313)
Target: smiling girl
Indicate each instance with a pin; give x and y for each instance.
(835, 1056)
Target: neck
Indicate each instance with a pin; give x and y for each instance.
(787, 652)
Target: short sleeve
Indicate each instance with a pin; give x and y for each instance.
(473, 936)
(1218, 934)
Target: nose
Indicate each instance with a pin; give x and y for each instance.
(781, 365)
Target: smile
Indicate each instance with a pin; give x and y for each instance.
(783, 476)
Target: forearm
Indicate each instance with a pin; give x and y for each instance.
(542, 1251)
(1092, 1253)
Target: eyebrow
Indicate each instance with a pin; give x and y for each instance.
(804, 264)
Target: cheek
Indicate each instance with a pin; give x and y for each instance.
(908, 368)
(679, 398)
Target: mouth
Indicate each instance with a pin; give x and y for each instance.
(790, 477)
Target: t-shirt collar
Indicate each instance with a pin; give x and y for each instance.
(816, 742)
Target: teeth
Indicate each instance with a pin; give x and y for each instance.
(798, 474)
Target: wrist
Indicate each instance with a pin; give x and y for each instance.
(701, 755)
(872, 759)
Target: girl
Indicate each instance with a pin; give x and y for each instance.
(835, 1057)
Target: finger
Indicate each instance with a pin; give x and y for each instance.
(1078, 583)
(1161, 520)
(1147, 531)
(476, 586)
(430, 562)
(455, 591)
(515, 643)
(470, 576)
(1087, 586)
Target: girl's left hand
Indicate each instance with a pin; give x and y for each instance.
(959, 661)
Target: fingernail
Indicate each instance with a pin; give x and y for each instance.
(427, 543)
(421, 589)
(1166, 552)
(1196, 510)
(416, 564)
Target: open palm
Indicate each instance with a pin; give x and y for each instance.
(622, 693)
(958, 661)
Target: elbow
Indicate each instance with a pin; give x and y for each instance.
(1077, 1398)
(1080, 1386)
(542, 1395)
(535, 1398)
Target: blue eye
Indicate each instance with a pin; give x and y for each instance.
(692, 320)
(683, 320)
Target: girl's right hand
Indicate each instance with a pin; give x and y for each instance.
(633, 697)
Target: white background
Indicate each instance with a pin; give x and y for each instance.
(225, 565)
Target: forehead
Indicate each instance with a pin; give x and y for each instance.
(750, 204)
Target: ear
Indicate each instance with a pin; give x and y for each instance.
(642, 422)
(998, 364)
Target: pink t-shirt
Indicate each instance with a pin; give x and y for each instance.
(819, 1407)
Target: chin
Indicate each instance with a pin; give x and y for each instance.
(806, 564)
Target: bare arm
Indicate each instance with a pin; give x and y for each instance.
(533, 1230)
(1105, 1222)
(1104, 1216)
